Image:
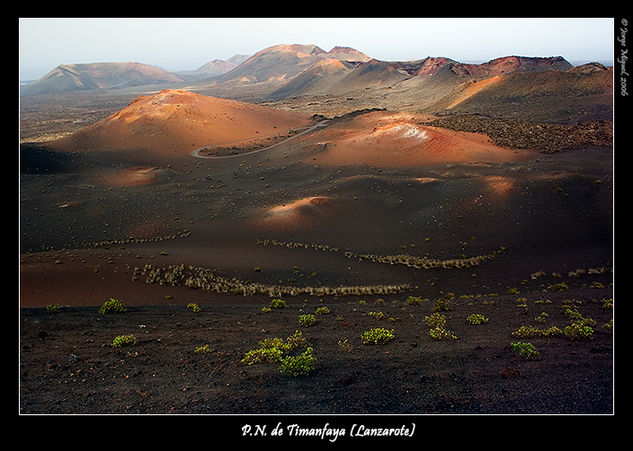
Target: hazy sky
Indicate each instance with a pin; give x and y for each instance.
(188, 43)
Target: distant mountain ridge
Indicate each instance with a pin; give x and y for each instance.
(286, 60)
(544, 86)
(374, 73)
(74, 77)
(280, 62)
(211, 69)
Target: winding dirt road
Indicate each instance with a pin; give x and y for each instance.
(196, 153)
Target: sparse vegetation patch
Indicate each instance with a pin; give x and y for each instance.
(476, 319)
(282, 352)
(376, 336)
(112, 306)
(526, 350)
(205, 279)
(400, 259)
(307, 320)
(124, 340)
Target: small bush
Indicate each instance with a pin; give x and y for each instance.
(307, 320)
(202, 349)
(377, 336)
(124, 340)
(296, 340)
(578, 331)
(442, 304)
(435, 320)
(542, 317)
(300, 365)
(526, 350)
(531, 331)
(578, 318)
(322, 311)
(54, 308)
(476, 319)
(580, 328)
(414, 300)
(262, 355)
(194, 306)
(276, 350)
(562, 286)
(377, 315)
(278, 303)
(440, 333)
(112, 306)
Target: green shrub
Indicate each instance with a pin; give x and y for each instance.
(292, 342)
(377, 336)
(578, 331)
(262, 355)
(414, 300)
(440, 333)
(278, 303)
(112, 306)
(54, 308)
(300, 365)
(124, 340)
(562, 286)
(296, 340)
(202, 349)
(435, 320)
(526, 350)
(531, 331)
(322, 311)
(307, 320)
(541, 318)
(443, 304)
(476, 318)
(377, 315)
(578, 318)
(194, 306)
(580, 327)
(276, 350)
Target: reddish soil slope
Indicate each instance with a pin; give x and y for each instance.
(388, 139)
(175, 122)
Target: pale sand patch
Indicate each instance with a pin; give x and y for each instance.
(499, 185)
(300, 213)
(129, 176)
